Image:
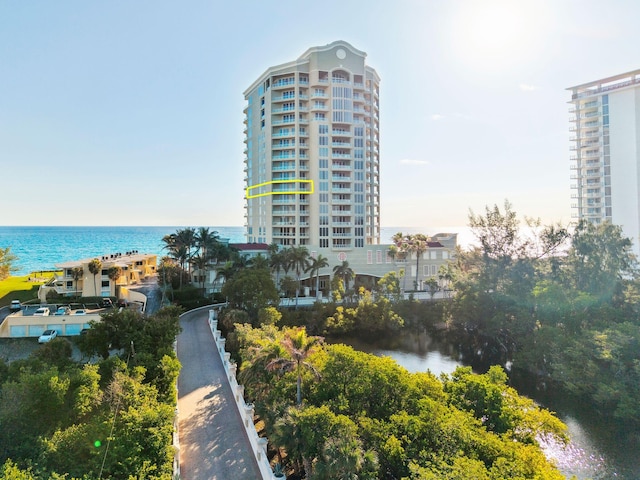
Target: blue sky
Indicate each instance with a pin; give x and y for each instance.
(130, 113)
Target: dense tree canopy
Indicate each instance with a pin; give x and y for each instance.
(561, 304)
(366, 417)
(112, 419)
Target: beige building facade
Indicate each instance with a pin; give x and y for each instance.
(135, 267)
(312, 161)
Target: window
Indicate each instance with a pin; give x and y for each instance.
(359, 242)
(324, 163)
(323, 140)
(324, 186)
(319, 116)
(324, 174)
(324, 243)
(324, 231)
(324, 197)
(378, 256)
(105, 284)
(369, 257)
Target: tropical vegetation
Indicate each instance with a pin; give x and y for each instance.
(112, 418)
(332, 412)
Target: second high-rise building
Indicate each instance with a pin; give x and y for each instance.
(312, 164)
(605, 152)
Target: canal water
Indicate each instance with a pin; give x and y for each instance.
(595, 451)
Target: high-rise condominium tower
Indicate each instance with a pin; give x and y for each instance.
(605, 152)
(312, 166)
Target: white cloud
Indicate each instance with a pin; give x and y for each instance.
(436, 117)
(525, 87)
(411, 161)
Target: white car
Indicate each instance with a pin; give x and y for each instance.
(79, 312)
(63, 311)
(41, 312)
(16, 306)
(47, 336)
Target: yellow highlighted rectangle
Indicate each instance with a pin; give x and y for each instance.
(276, 182)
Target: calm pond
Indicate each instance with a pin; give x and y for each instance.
(594, 452)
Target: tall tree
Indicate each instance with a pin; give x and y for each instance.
(315, 266)
(200, 264)
(77, 273)
(298, 346)
(251, 290)
(6, 262)
(115, 273)
(345, 272)
(600, 258)
(418, 244)
(298, 260)
(95, 266)
(205, 240)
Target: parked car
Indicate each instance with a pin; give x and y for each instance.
(63, 311)
(16, 306)
(47, 336)
(106, 303)
(42, 312)
(79, 312)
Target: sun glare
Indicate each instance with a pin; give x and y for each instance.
(497, 33)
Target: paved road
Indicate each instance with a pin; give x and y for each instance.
(213, 442)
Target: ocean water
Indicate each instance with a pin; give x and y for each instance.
(41, 248)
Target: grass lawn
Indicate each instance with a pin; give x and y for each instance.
(22, 288)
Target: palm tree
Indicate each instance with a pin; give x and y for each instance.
(226, 271)
(298, 259)
(345, 272)
(417, 244)
(206, 240)
(200, 263)
(77, 273)
(95, 266)
(277, 262)
(115, 273)
(187, 238)
(298, 347)
(259, 262)
(316, 264)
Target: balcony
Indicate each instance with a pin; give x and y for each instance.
(341, 178)
(286, 134)
(341, 144)
(283, 110)
(284, 82)
(282, 146)
(283, 98)
(287, 121)
(285, 167)
(341, 132)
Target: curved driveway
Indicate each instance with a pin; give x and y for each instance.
(213, 442)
